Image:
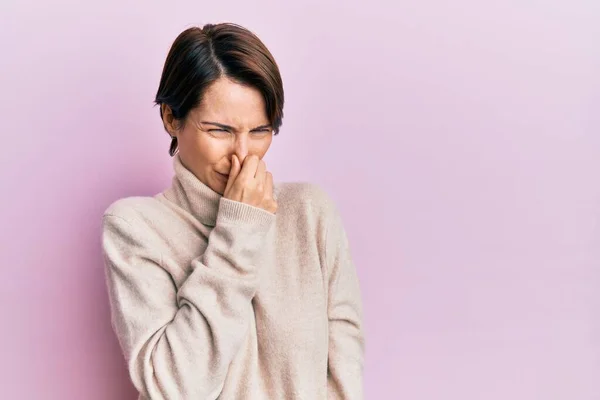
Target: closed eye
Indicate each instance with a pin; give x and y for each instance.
(218, 130)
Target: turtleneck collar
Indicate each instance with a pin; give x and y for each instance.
(191, 194)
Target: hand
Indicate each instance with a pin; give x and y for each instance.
(251, 184)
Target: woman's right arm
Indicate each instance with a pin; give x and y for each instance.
(179, 343)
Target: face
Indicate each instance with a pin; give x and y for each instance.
(231, 119)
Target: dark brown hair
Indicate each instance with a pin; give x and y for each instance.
(200, 56)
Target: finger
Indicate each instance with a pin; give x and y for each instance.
(234, 171)
(249, 168)
(269, 184)
(236, 167)
(261, 171)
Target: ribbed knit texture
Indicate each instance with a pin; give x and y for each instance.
(212, 298)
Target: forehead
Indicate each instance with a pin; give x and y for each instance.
(231, 103)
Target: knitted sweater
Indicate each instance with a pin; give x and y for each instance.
(212, 298)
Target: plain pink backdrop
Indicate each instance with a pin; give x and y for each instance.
(460, 140)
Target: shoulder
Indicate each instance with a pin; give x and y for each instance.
(311, 212)
(305, 198)
(138, 212)
(302, 194)
(130, 225)
(128, 231)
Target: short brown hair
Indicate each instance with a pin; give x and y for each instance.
(200, 56)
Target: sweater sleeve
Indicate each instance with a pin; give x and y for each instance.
(346, 336)
(166, 333)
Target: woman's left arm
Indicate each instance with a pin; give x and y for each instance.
(346, 336)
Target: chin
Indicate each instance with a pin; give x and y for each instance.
(218, 187)
(218, 184)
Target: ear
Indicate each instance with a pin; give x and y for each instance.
(170, 123)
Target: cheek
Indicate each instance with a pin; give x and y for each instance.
(260, 147)
(209, 150)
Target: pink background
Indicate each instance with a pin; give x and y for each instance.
(460, 140)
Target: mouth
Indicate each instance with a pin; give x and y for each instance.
(223, 176)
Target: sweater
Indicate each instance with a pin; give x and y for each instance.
(212, 298)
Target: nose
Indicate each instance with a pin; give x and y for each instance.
(241, 147)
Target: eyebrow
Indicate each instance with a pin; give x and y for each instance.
(230, 128)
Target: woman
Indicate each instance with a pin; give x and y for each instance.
(224, 285)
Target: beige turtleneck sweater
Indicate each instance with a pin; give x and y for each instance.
(212, 298)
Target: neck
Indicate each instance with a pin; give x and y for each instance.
(193, 195)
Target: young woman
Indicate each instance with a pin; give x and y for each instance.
(227, 285)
